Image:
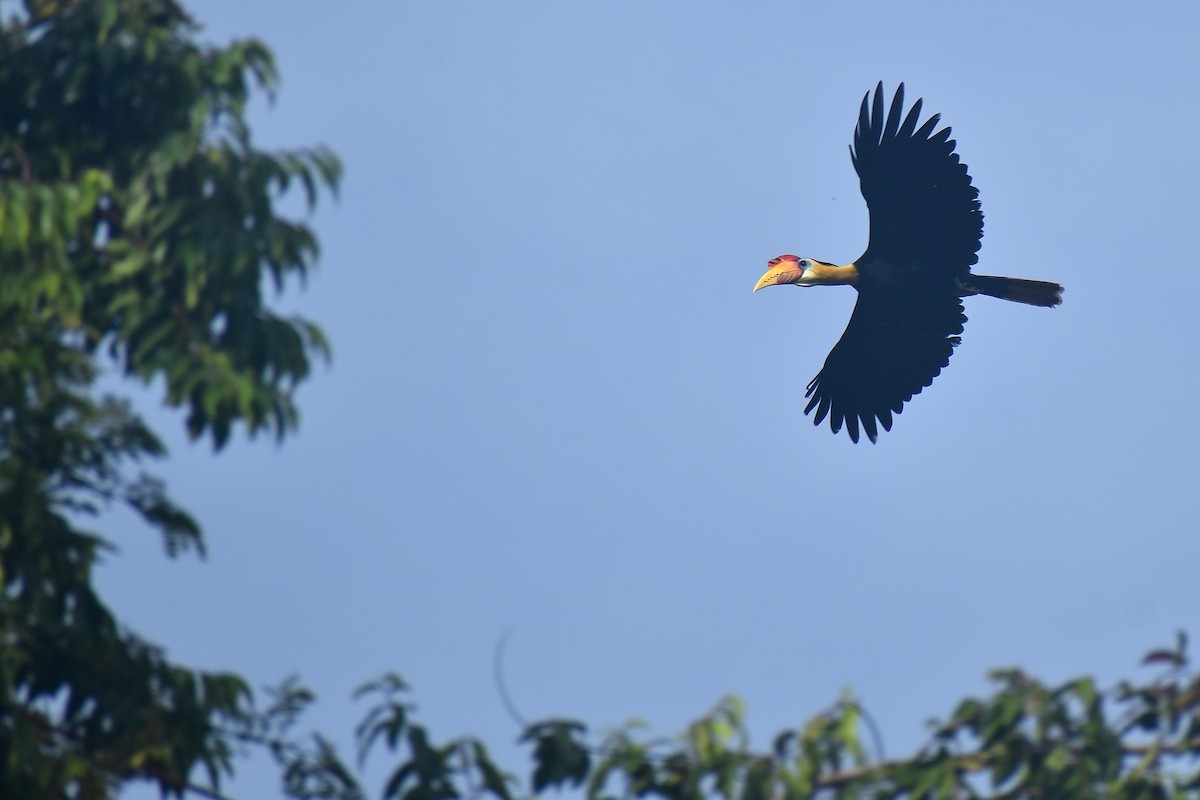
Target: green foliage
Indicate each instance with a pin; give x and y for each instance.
(137, 217)
(559, 755)
(1026, 740)
(312, 769)
(137, 230)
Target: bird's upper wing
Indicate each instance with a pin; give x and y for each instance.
(925, 215)
(893, 347)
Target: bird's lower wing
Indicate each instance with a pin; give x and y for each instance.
(892, 348)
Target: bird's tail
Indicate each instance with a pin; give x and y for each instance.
(1021, 290)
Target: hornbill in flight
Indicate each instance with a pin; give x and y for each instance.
(925, 232)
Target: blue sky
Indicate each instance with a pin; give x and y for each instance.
(556, 410)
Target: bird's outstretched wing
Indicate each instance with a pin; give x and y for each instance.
(926, 228)
(893, 347)
(925, 215)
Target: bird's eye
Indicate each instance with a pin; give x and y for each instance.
(804, 263)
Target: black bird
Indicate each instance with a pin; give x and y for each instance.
(926, 227)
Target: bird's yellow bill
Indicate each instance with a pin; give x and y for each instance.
(786, 272)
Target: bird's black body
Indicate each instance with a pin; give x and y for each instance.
(926, 227)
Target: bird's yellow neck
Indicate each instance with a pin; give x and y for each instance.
(822, 274)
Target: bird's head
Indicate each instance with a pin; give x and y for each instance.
(786, 269)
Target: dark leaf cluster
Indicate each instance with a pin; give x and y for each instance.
(137, 217)
(1026, 740)
(138, 233)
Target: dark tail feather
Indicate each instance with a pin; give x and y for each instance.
(1022, 290)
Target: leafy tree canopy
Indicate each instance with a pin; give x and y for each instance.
(138, 230)
(1027, 739)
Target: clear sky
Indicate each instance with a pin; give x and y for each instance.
(556, 409)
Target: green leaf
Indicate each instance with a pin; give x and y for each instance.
(494, 780)
(108, 19)
(128, 266)
(137, 209)
(559, 756)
